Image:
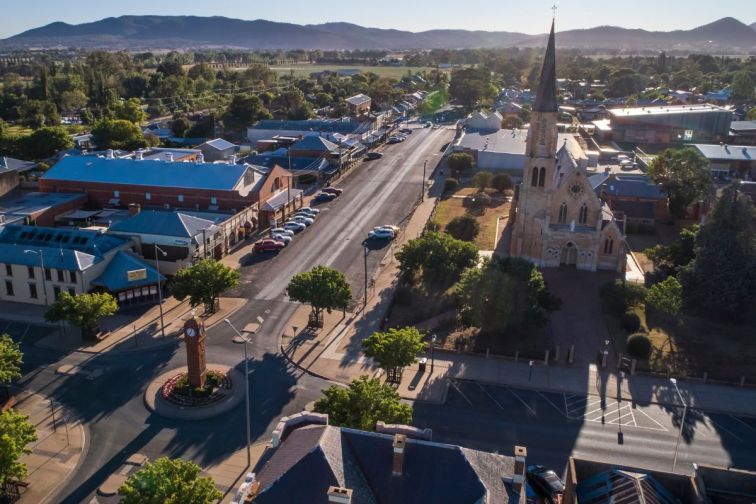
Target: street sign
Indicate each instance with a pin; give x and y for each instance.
(134, 275)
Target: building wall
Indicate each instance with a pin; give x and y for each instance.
(47, 216)
(8, 181)
(211, 154)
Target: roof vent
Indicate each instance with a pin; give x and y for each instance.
(169, 157)
(339, 495)
(109, 154)
(200, 158)
(139, 155)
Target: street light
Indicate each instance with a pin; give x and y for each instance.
(160, 290)
(246, 389)
(433, 347)
(673, 381)
(422, 187)
(365, 256)
(42, 265)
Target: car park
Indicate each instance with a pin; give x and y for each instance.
(381, 233)
(374, 155)
(333, 190)
(307, 221)
(544, 481)
(269, 245)
(281, 231)
(322, 197)
(285, 238)
(294, 226)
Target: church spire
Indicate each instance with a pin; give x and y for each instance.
(546, 97)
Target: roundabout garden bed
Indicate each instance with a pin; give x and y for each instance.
(176, 390)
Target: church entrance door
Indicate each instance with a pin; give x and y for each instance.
(568, 256)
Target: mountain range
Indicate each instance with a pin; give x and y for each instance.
(187, 32)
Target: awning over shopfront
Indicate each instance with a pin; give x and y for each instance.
(280, 199)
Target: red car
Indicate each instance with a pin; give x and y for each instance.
(333, 190)
(269, 245)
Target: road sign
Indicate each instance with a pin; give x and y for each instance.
(134, 275)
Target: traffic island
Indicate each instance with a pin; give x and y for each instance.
(169, 396)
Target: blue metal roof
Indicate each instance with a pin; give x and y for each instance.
(161, 223)
(115, 277)
(297, 163)
(336, 125)
(187, 175)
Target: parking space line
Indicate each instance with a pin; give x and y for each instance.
(726, 430)
(563, 413)
(661, 427)
(523, 402)
(742, 422)
(490, 396)
(23, 335)
(453, 384)
(5, 329)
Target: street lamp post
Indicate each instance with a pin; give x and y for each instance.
(422, 186)
(365, 257)
(682, 423)
(246, 389)
(433, 347)
(42, 265)
(530, 371)
(160, 290)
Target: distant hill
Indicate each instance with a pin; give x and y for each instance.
(172, 32)
(753, 25)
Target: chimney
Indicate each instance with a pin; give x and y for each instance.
(232, 159)
(400, 440)
(134, 208)
(339, 495)
(139, 155)
(200, 158)
(109, 154)
(518, 479)
(169, 157)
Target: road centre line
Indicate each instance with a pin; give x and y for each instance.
(523, 402)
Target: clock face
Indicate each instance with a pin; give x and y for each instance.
(191, 332)
(575, 190)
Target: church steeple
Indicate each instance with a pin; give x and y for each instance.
(546, 97)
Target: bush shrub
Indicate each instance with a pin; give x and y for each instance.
(432, 226)
(463, 227)
(403, 295)
(618, 296)
(638, 345)
(450, 184)
(630, 322)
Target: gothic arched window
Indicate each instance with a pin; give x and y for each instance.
(542, 178)
(534, 178)
(563, 213)
(583, 216)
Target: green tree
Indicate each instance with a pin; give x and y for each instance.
(118, 134)
(243, 111)
(323, 288)
(482, 180)
(511, 122)
(743, 86)
(82, 311)
(130, 110)
(666, 297)
(180, 125)
(203, 283)
(395, 348)
(463, 227)
(751, 116)
(471, 86)
(46, 142)
(11, 359)
(438, 255)
(670, 258)
(460, 162)
(684, 175)
(502, 182)
(15, 434)
(363, 403)
(169, 481)
(722, 277)
(624, 82)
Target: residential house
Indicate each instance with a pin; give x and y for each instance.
(634, 198)
(218, 150)
(10, 170)
(484, 121)
(727, 161)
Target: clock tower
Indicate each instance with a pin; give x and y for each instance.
(194, 338)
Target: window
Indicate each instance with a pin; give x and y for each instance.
(30, 270)
(563, 214)
(60, 276)
(56, 292)
(72, 291)
(48, 274)
(148, 196)
(213, 200)
(583, 217)
(116, 194)
(608, 246)
(9, 270)
(542, 178)
(72, 276)
(181, 198)
(534, 179)
(9, 287)
(33, 291)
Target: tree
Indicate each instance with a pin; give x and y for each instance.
(118, 134)
(463, 227)
(244, 110)
(482, 180)
(670, 258)
(82, 311)
(363, 403)
(511, 122)
(172, 481)
(130, 110)
(180, 125)
(46, 142)
(743, 86)
(624, 82)
(472, 85)
(15, 434)
(751, 116)
(323, 288)
(203, 283)
(504, 294)
(11, 359)
(395, 348)
(460, 162)
(684, 175)
(666, 297)
(722, 276)
(438, 256)
(502, 182)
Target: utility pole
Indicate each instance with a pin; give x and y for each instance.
(422, 186)
(365, 256)
(160, 290)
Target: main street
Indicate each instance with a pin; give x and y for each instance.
(375, 193)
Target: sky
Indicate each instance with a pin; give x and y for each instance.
(528, 16)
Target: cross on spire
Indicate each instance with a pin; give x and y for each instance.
(554, 9)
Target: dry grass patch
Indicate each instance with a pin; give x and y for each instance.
(451, 207)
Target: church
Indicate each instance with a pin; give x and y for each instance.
(559, 220)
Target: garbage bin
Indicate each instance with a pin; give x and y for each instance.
(422, 363)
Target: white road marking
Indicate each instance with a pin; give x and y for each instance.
(523, 402)
(490, 396)
(453, 384)
(563, 413)
(742, 422)
(725, 430)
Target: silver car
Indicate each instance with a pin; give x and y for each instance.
(301, 218)
(281, 231)
(309, 210)
(286, 238)
(294, 226)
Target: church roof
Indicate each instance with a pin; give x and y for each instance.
(546, 97)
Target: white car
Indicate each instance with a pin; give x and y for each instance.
(281, 231)
(301, 218)
(282, 238)
(393, 228)
(304, 214)
(380, 233)
(309, 210)
(294, 226)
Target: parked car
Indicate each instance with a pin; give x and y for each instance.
(310, 210)
(281, 231)
(393, 228)
(381, 233)
(544, 481)
(305, 214)
(269, 245)
(333, 190)
(294, 226)
(395, 139)
(406, 131)
(427, 124)
(374, 155)
(307, 221)
(285, 238)
(322, 197)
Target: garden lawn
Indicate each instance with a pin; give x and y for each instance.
(451, 207)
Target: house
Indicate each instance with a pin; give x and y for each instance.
(38, 263)
(730, 160)
(743, 132)
(634, 199)
(483, 121)
(358, 104)
(268, 128)
(10, 170)
(218, 150)
(313, 462)
(670, 125)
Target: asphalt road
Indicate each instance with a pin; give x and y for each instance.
(377, 192)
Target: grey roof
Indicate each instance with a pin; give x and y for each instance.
(666, 110)
(115, 277)
(219, 144)
(13, 164)
(155, 222)
(336, 125)
(314, 143)
(298, 164)
(358, 100)
(627, 185)
(187, 175)
(313, 457)
(546, 96)
(743, 127)
(506, 141)
(635, 209)
(727, 152)
(26, 204)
